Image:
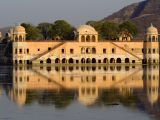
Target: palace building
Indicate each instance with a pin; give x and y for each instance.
(85, 49)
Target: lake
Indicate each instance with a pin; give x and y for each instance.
(79, 93)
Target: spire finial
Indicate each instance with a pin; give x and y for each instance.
(19, 24)
(151, 25)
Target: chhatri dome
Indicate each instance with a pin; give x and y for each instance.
(85, 27)
(19, 29)
(85, 30)
(152, 30)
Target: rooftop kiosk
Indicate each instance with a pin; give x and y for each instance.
(152, 46)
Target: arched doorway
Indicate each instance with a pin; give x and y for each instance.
(88, 60)
(112, 60)
(93, 60)
(48, 60)
(82, 60)
(64, 60)
(57, 60)
(127, 60)
(70, 60)
(118, 60)
(88, 50)
(105, 60)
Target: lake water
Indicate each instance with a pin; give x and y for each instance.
(79, 93)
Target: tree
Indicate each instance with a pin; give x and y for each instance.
(62, 29)
(45, 29)
(110, 30)
(32, 31)
(128, 28)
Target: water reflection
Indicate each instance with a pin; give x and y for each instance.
(91, 86)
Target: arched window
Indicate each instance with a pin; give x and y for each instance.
(149, 38)
(113, 50)
(93, 39)
(20, 38)
(82, 50)
(93, 50)
(83, 38)
(153, 38)
(88, 50)
(16, 38)
(88, 39)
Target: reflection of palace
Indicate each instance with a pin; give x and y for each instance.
(85, 48)
(87, 81)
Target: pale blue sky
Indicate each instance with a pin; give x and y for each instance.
(75, 12)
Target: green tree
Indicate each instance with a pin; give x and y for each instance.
(45, 29)
(110, 30)
(32, 31)
(129, 28)
(62, 29)
(91, 22)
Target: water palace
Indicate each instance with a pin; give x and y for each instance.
(86, 49)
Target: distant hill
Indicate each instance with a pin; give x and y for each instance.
(142, 14)
(4, 31)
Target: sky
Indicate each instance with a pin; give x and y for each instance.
(75, 12)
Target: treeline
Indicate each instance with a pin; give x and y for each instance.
(64, 31)
(60, 28)
(112, 31)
